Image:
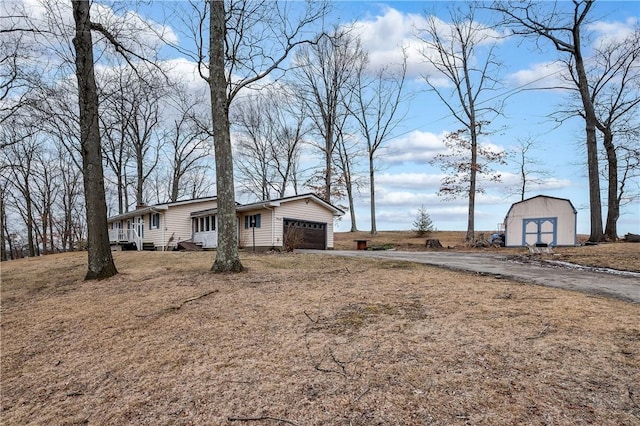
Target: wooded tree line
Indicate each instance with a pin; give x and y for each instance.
(300, 90)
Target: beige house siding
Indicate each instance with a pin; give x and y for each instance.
(176, 221)
(540, 208)
(263, 235)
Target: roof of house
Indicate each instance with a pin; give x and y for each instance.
(276, 203)
(542, 196)
(157, 208)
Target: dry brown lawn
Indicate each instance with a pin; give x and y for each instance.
(307, 340)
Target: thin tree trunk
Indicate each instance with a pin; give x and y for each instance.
(3, 219)
(372, 194)
(100, 260)
(227, 257)
(613, 204)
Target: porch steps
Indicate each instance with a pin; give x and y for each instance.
(189, 246)
(148, 246)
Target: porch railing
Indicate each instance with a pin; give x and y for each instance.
(125, 236)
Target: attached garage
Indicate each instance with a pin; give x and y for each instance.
(313, 235)
(541, 220)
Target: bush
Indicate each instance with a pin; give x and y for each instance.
(422, 225)
(292, 238)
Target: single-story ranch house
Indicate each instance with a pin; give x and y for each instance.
(262, 225)
(541, 220)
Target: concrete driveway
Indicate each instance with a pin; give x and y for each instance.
(616, 284)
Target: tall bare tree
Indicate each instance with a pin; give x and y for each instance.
(463, 52)
(271, 127)
(526, 164)
(325, 72)
(247, 42)
(378, 95)
(100, 260)
(187, 142)
(563, 28)
(614, 83)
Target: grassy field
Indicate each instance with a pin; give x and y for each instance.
(299, 339)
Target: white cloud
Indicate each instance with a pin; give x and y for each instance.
(384, 35)
(420, 181)
(415, 147)
(540, 76)
(613, 32)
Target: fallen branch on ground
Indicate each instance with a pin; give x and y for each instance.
(259, 419)
(178, 307)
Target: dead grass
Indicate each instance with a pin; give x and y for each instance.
(308, 340)
(619, 255)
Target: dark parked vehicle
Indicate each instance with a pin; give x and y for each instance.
(496, 240)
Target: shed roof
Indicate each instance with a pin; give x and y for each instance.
(542, 196)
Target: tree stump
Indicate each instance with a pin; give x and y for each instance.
(433, 243)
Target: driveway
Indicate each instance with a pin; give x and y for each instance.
(609, 283)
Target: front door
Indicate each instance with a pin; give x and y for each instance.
(140, 226)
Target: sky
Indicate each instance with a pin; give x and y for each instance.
(408, 181)
(406, 177)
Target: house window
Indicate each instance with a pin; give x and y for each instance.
(204, 223)
(252, 221)
(154, 220)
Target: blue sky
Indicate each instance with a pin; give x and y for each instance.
(408, 181)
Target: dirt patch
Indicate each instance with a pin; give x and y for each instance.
(309, 341)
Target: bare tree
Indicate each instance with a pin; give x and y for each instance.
(255, 162)
(348, 151)
(464, 54)
(325, 71)
(563, 28)
(100, 260)
(614, 83)
(377, 98)
(187, 143)
(526, 163)
(271, 129)
(241, 46)
(21, 161)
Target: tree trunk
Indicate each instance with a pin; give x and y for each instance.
(613, 205)
(29, 223)
(227, 257)
(595, 204)
(372, 194)
(328, 172)
(3, 219)
(100, 260)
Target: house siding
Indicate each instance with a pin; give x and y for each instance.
(541, 208)
(262, 234)
(176, 221)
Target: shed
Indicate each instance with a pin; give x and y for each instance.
(541, 220)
